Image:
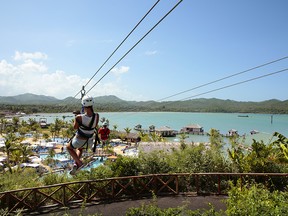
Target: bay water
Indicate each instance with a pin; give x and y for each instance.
(266, 124)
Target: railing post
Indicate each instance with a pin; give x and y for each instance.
(113, 188)
(177, 184)
(197, 183)
(219, 184)
(241, 182)
(64, 196)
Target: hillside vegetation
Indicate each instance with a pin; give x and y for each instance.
(30, 103)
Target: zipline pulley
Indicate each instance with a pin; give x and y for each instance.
(83, 92)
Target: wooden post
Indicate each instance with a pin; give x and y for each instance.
(219, 184)
(197, 183)
(177, 185)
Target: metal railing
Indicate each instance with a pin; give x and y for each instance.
(74, 194)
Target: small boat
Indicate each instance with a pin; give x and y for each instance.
(43, 123)
(254, 132)
(243, 116)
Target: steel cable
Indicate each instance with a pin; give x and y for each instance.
(119, 45)
(135, 45)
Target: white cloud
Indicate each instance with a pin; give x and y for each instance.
(30, 66)
(29, 76)
(120, 70)
(33, 77)
(25, 55)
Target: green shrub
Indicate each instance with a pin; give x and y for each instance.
(256, 200)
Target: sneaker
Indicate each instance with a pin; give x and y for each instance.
(75, 169)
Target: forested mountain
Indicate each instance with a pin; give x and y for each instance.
(39, 103)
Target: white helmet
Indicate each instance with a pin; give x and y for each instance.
(87, 101)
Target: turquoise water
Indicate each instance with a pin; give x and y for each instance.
(56, 156)
(95, 163)
(176, 120)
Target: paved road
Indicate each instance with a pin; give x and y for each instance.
(120, 208)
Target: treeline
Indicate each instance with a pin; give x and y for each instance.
(114, 104)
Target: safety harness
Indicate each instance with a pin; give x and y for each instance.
(88, 136)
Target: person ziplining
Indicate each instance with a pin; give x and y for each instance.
(86, 125)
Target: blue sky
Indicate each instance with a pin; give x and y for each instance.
(53, 48)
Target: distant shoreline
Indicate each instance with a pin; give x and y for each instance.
(30, 103)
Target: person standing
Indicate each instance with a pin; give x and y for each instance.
(85, 124)
(104, 132)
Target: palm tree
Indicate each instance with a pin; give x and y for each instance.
(32, 122)
(127, 130)
(15, 123)
(25, 152)
(49, 160)
(10, 140)
(115, 127)
(3, 123)
(52, 130)
(156, 137)
(144, 136)
(58, 126)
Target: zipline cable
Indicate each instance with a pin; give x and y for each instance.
(218, 80)
(120, 45)
(238, 83)
(135, 45)
(224, 87)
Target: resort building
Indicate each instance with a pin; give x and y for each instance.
(165, 131)
(232, 132)
(193, 129)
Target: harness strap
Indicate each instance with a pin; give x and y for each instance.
(97, 140)
(86, 128)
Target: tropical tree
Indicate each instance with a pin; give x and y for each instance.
(127, 130)
(32, 122)
(58, 124)
(69, 131)
(183, 144)
(125, 166)
(3, 124)
(23, 130)
(282, 144)
(46, 136)
(237, 157)
(10, 143)
(25, 152)
(156, 137)
(215, 139)
(49, 160)
(115, 127)
(15, 123)
(52, 130)
(144, 136)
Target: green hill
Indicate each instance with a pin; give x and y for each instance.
(40, 103)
